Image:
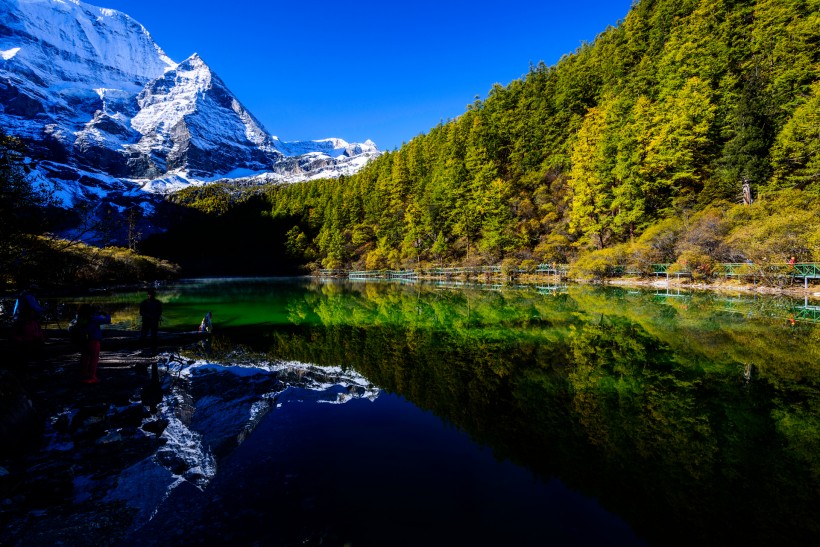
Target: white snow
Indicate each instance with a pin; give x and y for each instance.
(332, 147)
(9, 53)
(144, 486)
(147, 208)
(105, 84)
(236, 174)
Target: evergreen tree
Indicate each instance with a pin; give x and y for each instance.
(796, 153)
(658, 118)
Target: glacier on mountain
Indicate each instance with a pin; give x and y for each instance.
(102, 106)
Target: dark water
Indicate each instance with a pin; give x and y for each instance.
(577, 416)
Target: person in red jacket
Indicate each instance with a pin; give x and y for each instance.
(88, 323)
(26, 313)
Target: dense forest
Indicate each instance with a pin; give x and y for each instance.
(632, 149)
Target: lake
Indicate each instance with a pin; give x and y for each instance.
(340, 413)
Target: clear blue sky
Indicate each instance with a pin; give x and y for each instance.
(386, 70)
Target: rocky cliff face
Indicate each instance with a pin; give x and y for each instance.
(62, 62)
(103, 107)
(188, 120)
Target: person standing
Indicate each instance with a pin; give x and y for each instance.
(26, 313)
(26, 335)
(88, 326)
(205, 329)
(151, 312)
(206, 326)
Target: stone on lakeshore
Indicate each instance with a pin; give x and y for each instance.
(155, 426)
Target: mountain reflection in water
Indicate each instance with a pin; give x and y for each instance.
(509, 416)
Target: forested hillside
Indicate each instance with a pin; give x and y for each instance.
(633, 148)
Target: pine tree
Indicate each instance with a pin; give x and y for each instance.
(796, 153)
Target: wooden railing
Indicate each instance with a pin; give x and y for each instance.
(542, 269)
(800, 270)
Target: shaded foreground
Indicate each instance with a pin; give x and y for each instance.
(58, 432)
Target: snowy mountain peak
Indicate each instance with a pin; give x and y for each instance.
(165, 100)
(209, 131)
(193, 63)
(99, 101)
(92, 42)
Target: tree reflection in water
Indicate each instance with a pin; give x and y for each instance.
(694, 417)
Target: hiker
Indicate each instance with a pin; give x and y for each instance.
(86, 331)
(206, 326)
(151, 312)
(791, 262)
(26, 313)
(26, 335)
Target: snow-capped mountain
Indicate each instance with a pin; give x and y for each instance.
(64, 61)
(331, 147)
(103, 107)
(189, 120)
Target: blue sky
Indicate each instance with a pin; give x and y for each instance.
(386, 71)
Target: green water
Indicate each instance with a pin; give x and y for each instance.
(693, 417)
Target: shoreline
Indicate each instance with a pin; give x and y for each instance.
(812, 292)
(682, 283)
(729, 285)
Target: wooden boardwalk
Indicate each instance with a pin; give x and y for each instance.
(801, 271)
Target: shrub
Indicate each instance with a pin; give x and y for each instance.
(700, 265)
(778, 229)
(600, 264)
(376, 260)
(657, 244)
(555, 247)
(529, 266)
(62, 263)
(509, 268)
(705, 233)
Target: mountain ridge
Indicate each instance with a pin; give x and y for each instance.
(102, 97)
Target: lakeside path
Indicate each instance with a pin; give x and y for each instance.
(494, 277)
(796, 290)
(683, 283)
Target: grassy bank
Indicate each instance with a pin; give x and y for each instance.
(55, 264)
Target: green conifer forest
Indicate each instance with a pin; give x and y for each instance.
(631, 150)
